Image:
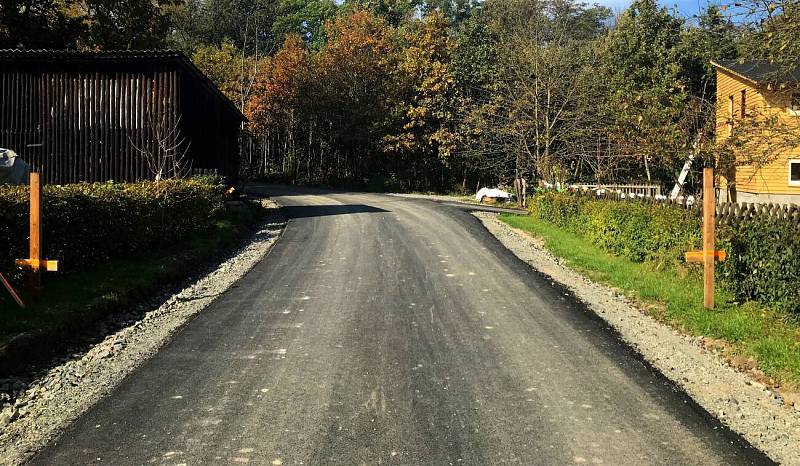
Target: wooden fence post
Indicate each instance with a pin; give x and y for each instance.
(36, 233)
(35, 263)
(709, 203)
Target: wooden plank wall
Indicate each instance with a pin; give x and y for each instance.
(87, 125)
(772, 178)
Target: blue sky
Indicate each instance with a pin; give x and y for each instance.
(686, 8)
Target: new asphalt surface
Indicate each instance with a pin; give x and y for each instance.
(382, 330)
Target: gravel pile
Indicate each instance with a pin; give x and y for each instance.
(749, 407)
(34, 408)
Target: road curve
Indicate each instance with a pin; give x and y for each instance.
(382, 330)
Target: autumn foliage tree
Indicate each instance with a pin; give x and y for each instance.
(276, 111)
(425, 111)
(320, 112)
(443, 95)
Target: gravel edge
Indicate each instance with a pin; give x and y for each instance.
(432, 197)
(746, 406)
(54, 399)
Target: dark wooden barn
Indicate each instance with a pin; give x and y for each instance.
(123, 116)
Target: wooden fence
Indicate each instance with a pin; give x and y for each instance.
(730, 214)
(646, 190)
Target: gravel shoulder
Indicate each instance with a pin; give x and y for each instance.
(746, 406)
(464, 202)
(53, 399)
(436, 197)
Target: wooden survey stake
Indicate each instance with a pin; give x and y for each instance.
(12, 291)
(699, 256)
(708, 255)
(709, 208)
(35, 263)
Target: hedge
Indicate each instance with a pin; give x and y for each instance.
(85, 223)
(763, 253)
(763, 261)
(638, 231)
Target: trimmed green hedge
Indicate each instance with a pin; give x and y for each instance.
(85, 223)
(763, 261)
(763, 253)
(638, 231)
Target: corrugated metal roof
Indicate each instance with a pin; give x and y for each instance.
(757, 71)
(79, 54)
(176, 56)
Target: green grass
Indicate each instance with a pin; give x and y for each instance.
(81, 296)
(676, 297)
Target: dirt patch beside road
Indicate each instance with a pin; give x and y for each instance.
(745, 405)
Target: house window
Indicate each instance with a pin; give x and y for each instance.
(794, 172)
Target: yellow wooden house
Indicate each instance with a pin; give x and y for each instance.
(747, 90)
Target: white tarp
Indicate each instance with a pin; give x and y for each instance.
(491, 193)
(13, 170)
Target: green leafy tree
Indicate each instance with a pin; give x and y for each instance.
(38, 23)
(247, 24)
(474, 65)
(394, 11)
(714, 38)
(456, 11)
(531, 115)
(304, 17)
(645, 97)
(125, 24)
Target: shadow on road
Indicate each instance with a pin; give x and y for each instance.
(326, 210)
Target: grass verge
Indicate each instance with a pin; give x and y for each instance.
(749, 331)
(79, 297)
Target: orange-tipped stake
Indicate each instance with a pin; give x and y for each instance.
(35, 263)
(12, 291)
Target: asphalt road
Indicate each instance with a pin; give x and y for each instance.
(382, 330)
